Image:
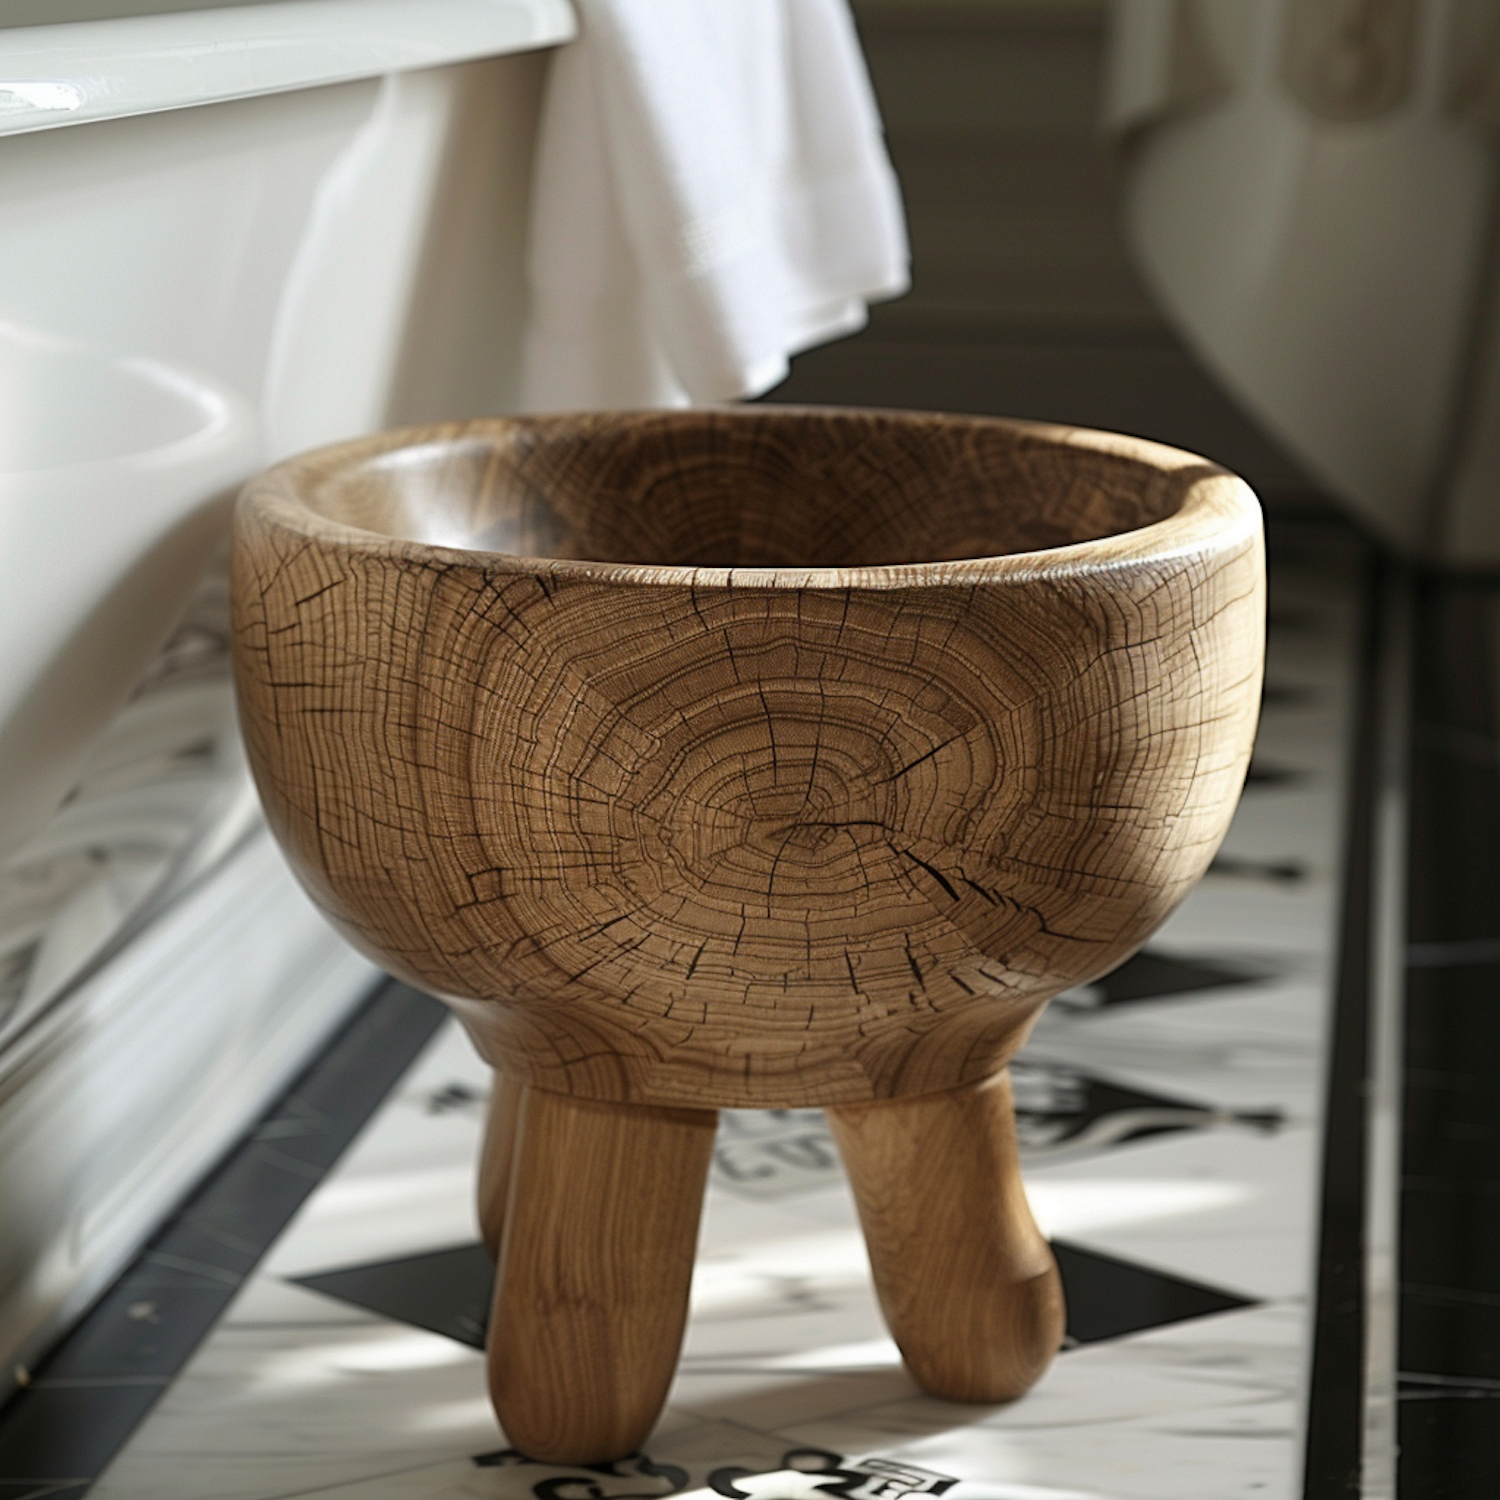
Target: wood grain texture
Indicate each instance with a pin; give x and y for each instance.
(495, 1159)
(754, 757)
(748, 757)
(596, 1261)
(967, 1284)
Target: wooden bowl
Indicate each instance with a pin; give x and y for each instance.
(760, 757)
(763, 756)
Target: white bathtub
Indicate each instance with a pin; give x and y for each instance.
(224, 235)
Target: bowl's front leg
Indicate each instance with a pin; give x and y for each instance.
(967, 1284)
(601, 1211)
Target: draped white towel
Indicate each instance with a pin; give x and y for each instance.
(712, 195)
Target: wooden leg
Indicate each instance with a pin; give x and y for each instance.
(495, 1159)
(966, 1281)
(595, 1265)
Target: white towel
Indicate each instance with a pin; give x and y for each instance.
(712, 195)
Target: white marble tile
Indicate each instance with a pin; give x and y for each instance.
(1249, 1048)
(1234, 1211)
(1202, 1409)
(278, 1411)
(407, 1183)
(268, 1302)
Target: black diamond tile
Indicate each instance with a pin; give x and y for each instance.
(1059, 1109)
(448, 1292)
(443, 1291)
(1109, 1298)
(1151, 975)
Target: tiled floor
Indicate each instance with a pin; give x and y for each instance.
(1172, 1143)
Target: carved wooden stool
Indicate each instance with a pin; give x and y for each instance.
(749, 757)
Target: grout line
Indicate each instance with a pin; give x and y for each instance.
(1388, 817)
(97, 1382)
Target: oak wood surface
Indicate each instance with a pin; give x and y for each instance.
(495, 1158)
(748, 757)
(751, 757)
(967, 1284)
(596, 1260)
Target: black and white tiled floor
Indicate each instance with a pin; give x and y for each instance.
(1170, 1116)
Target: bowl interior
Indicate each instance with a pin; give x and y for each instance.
(761, 488)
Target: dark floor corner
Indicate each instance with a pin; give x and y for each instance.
(1334, 1454)
(1447, 1345)
(90, 1392)
(1450, 1222)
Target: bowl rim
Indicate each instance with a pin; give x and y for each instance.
(1219, 510)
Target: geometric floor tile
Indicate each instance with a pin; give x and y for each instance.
(1109, 1298)
(443, 1291)
(798, 1474)
(1060, 1112)
(1154, 976)
(448, 1292)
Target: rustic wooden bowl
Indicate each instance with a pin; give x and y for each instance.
(758, 757)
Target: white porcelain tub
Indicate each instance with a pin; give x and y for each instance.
(225, 234)
(114, 477)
